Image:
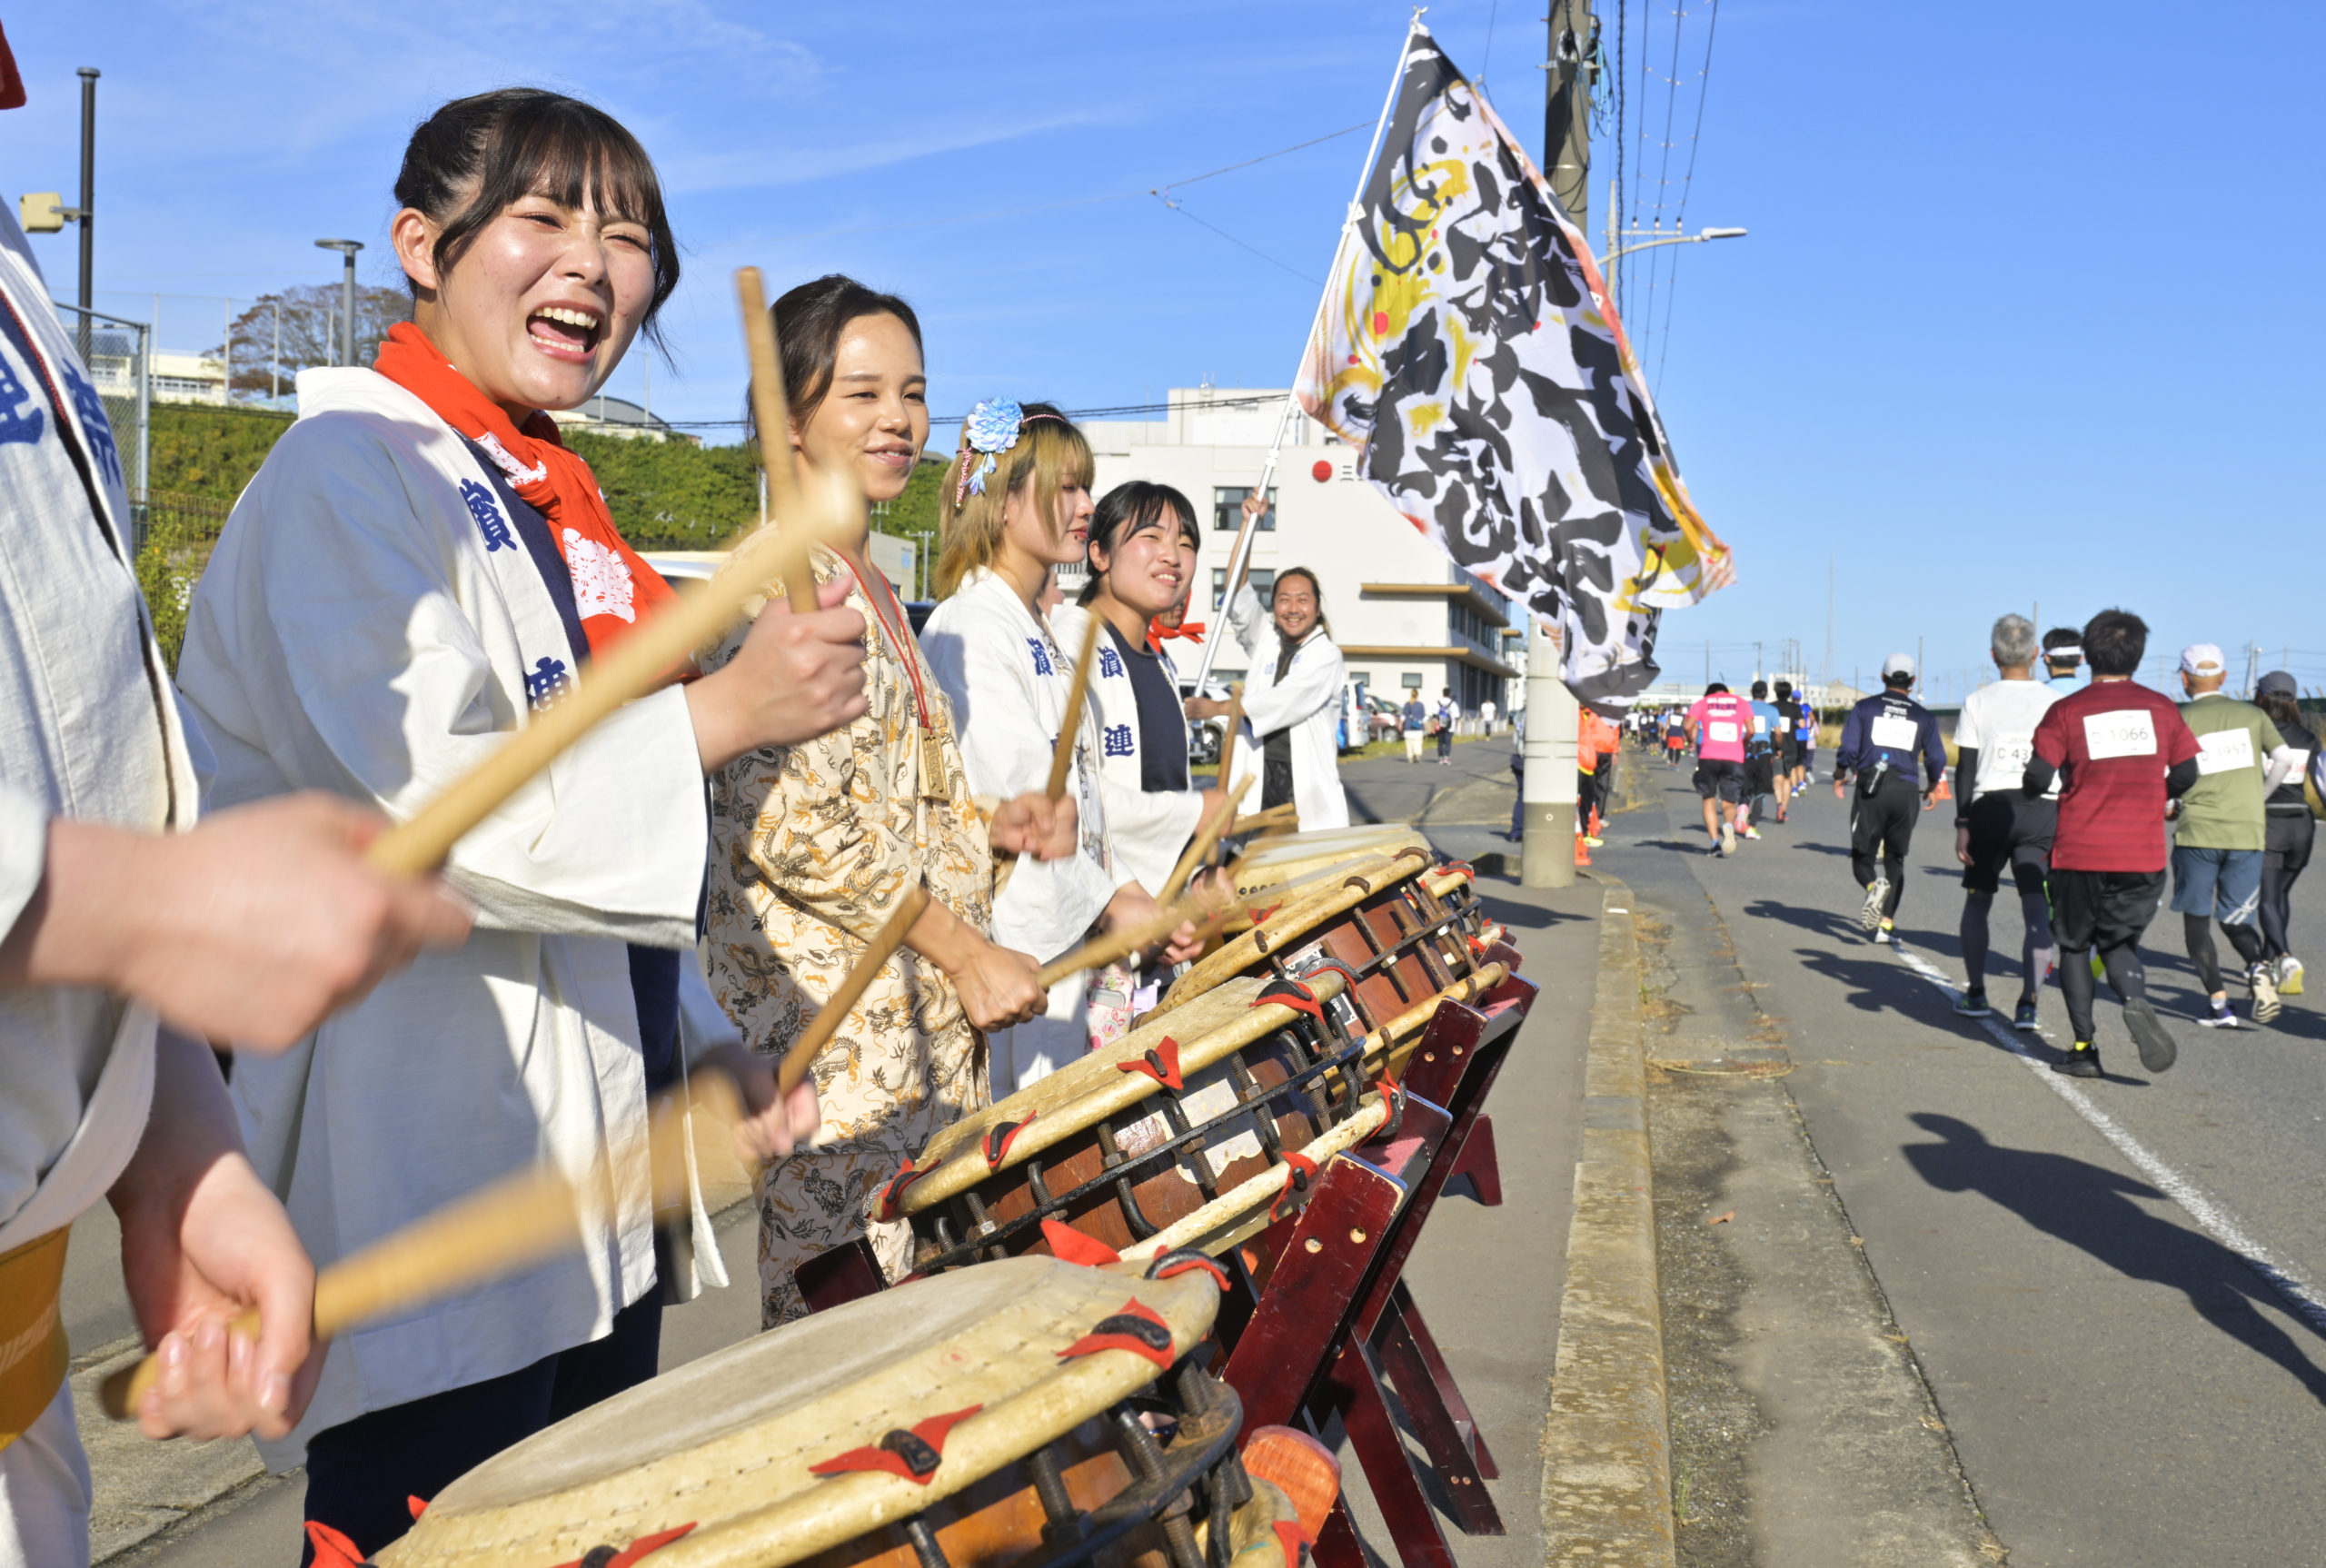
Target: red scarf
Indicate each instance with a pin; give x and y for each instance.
(613, 588)
(1158, 634)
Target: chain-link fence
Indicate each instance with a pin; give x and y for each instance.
(119, 355)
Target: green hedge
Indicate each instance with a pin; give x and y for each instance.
(663, 495)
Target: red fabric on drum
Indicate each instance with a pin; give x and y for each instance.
(933, 1432)
(333, 1550)
(1091, 1344)
(886, 1210)
(1304, 1175)
(1218, 1275)
(1069, 1244)
(1289, 994)
(1161, 1064)
(998, 1140)
(1292, 1538)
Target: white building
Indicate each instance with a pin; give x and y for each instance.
(1406, 618)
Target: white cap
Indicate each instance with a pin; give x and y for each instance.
(2202, 659)
(1898, 664)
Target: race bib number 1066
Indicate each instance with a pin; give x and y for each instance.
(2127, 732)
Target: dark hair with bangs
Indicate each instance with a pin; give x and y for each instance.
(466, 162)
(1130, 506)
(808, 323)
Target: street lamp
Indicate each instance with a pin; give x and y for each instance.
(1649, 240)
(346, 248)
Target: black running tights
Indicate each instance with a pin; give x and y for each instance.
(2036, 952)
(2125, 977)
(2198, 930)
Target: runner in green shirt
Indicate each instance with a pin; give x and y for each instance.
(2217, 835)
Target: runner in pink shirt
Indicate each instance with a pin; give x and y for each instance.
(1717, 724)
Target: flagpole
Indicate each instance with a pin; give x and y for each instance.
(1240, 559)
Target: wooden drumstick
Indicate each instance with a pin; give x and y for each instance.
(1200, 849)
(1062, 758)
(1235, 723)
(1282, 816)
(802, 1056)
(1115, 944)
(508, 1227)
(772, 414)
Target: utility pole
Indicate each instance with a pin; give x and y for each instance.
(88, 213)
(1547, 856)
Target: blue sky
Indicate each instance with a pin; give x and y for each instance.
(2026, 313)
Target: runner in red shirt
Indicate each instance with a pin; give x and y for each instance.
(2121, 751)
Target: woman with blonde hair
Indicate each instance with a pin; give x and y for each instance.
(814, 843)
(1015, 501)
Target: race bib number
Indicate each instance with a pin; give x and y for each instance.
(2007, 760)
(1760, 725)
(1893, 733)
(2127, 732)
(2224, 751)
(1720, 729)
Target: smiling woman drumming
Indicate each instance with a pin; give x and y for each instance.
(419, 566)
(814, 843)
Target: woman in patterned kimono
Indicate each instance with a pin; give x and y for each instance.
(814, 843)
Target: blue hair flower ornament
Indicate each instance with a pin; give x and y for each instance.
(992, 427)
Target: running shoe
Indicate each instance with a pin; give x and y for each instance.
(2157, 1050)
(1877, 895)
(2025, 1019)
(1753, 834)
(1886, 933)
(2289, 975)
(1728, 837)
(2217, 1017)
(2083, 1062)
(2265, 993)
(1593, 841)
(1971, 1005)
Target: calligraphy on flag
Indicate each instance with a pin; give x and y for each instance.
(1469, 346)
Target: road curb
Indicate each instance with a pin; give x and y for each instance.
(1606, 1447)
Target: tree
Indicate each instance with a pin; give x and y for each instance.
(311, 325)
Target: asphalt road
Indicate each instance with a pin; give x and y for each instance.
(2075, 1265)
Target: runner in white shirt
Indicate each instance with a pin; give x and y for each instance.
(1996, 825)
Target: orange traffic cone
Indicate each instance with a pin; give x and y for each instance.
(1945, 791)
(1596, 823)
(1582, 851)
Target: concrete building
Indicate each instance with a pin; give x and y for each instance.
(1406, 618)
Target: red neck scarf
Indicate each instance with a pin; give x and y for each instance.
(1158, 634)
(613, 588)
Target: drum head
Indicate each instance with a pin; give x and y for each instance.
(1295, 855)
(725, 1444)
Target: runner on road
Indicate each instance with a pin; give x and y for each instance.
(2218, 835)
(1676, 737)
(2290, 830)
(1790, 715)
(1996, 825)
(2118, 752)
(1717, 724)
(1884, 741)
(1760, 762)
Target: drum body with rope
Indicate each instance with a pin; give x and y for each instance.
(1033, 1414)
(1280, 867)
(1132, 1140)
(1396, 927)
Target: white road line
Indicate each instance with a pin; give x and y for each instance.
(2293, 1286)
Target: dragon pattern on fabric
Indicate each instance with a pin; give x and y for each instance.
(1467, 346)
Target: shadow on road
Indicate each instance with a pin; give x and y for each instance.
(1841, 850)
(2090, 1207)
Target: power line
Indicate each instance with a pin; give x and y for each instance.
(1680, 219)
(1263, 157)
(1232, 240)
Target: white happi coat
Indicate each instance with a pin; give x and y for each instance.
(1307, 700)
(1149, 832)
(1007, 681)
(372, 625)
(89, 730)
